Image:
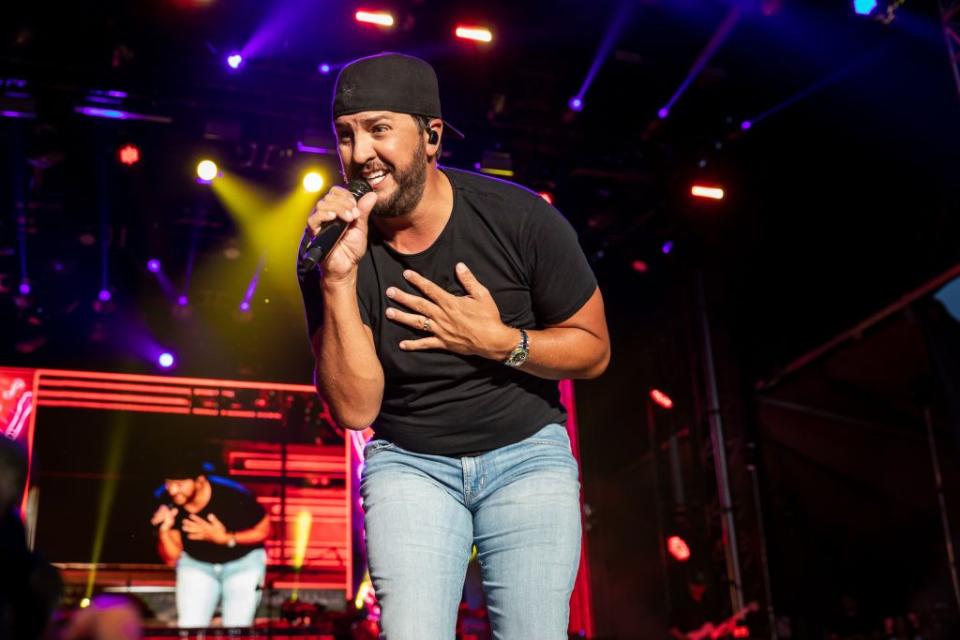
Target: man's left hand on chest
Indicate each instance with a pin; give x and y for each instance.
(468, 325)
(211, 529)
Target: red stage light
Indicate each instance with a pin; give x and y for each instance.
(711, 193)
(381, 18)
(640, 266)
(546, 195)
(129, 154)
(741, 632)
(661, 398)
(477, 34)
(678, 548)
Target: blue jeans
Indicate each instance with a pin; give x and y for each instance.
(200, 585)
(519, 504)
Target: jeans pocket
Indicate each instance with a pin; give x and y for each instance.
(376, 445)
(553, 434)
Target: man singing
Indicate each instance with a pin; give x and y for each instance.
(443, 317)
(213, 532)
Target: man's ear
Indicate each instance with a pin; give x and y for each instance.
(435, 135)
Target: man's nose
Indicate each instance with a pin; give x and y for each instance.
(363, 151)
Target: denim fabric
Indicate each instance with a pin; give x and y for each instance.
(200, 586)
(519, 504)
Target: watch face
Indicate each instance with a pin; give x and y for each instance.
(517, 358)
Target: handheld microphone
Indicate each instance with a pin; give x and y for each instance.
(330, 232)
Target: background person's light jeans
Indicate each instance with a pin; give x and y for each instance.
(201, 584)
(520, 504)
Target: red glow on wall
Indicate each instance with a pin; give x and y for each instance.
(16, 402)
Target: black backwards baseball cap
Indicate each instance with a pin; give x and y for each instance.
(188, 464)
(389, 82)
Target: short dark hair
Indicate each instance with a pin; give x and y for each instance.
(188, 466)
(423, 122)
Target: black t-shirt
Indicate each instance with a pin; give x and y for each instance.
(236, 508)
(527, 254)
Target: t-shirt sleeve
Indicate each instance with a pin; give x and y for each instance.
(309, 281)
(312, 301)
(246, 510)
(561, 280)
(254, 507)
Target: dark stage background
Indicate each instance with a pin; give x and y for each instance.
(841, 203)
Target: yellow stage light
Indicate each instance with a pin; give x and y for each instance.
(313, 182)
(207, 170)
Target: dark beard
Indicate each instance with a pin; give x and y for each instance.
(410, 186)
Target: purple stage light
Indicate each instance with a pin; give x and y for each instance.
(10, 113)
(153, 265)
(183, 301)
(252, 287)
(745, 125)
(24, 288)
(104, 295)
(324, 68)
(667, 247)
(166, 360)
(306, 148)
(98, 112)
(610, 38)
(119, 114)
(718, 38)
(234, 60)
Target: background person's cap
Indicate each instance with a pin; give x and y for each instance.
(188, 464)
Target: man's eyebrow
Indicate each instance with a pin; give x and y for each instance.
(369, 121)
(372, 119)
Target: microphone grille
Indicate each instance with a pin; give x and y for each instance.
(359, 188)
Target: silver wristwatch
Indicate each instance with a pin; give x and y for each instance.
(519, 354)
